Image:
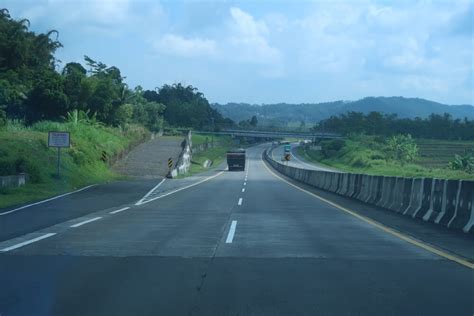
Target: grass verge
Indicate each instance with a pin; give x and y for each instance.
(25, 149)
(216, 154)
(366, 155)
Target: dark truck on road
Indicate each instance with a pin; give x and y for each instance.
(236, 160)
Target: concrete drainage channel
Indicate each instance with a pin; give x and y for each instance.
(444, 202)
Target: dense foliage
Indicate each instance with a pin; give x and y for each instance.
(375, 123)
(186, 106)
(32, 90)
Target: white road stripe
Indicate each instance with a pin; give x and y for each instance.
(180, 189)
(150, 192)
(120, 210)
(231, 234)
(245, 183)
(240, 202)
(85, 222)
(47, 200)
(243, 190)
(28, 242)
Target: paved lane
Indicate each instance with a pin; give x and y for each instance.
(298, 161)
(241, 243)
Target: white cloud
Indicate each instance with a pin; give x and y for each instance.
(248, 39)
(192, 47)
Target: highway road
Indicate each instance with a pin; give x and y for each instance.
(222, 243)
(298, 161)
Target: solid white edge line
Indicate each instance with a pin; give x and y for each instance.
(180, 189)
(231, 234)
(86, 222)
(150, 192)
(240, 202)
(28, 242)
(119, 210)
(47, 200)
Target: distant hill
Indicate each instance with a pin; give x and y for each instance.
(283, 113)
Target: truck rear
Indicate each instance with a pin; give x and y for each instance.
(236, 160)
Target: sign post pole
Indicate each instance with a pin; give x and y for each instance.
(59, 159)
(58, 140)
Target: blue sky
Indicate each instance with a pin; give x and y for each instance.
(272, 51)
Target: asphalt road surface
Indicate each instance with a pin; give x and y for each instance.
(224, 243)
(296, 160)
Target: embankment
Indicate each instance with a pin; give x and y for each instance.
(93, 147)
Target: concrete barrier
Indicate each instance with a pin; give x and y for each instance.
(344, 184)
(415, 197)
(425, 198)
(397, 198)
(384, 191)
(437, 199)
(364, 188)
(464, 207)
(374, 190)
(327, 181)
(390, 192)
(444, 202)
(357, 184)
(407, 186)
(351, 185)
(449, 203)
(13, 181)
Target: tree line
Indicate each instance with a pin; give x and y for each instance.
(435, 126)
(33, 89)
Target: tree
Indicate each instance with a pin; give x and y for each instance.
(47, 100)
(253, 121)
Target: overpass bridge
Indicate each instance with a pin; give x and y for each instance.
(271, 134)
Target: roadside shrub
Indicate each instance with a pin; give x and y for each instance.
(3, 118)
(401, 148)
(330, 148)
(464, 163)
(360, 162)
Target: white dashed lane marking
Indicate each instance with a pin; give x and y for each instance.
(86, 222)
(28, 242)
(231, 234)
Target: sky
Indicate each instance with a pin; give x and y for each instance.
(272, 51)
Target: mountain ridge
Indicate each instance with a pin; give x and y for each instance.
(314, 112)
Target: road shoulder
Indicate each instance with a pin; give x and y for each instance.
(454, 242)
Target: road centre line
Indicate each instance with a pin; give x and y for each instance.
(47, 200)
(180, 189)
(381, 226)
(86, 222)
(119, 210)
(231, 234)
(28, 242)
(150, 192)
(240, 202)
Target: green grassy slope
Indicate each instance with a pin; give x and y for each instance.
(366, 155)
(216, 154)
(24, 149)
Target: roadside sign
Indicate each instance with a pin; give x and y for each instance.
(170, 163)
(59, 139)
(287, 157)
